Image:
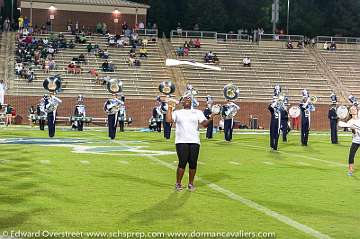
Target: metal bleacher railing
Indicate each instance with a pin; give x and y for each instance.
(232, 37)
(277, 37)
(346, 40)
(209, 35)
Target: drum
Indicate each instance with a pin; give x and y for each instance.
(294, 111)
(342, 112)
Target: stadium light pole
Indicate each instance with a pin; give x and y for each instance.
(288, 17)
(116, 13)
(12, 11)
(31, 12)
(52, 10)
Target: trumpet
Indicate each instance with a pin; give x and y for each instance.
(231, 92)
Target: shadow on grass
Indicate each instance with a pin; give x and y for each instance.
(162, 211)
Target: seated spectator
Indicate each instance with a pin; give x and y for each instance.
(94, 73)
(71, 44)
(105, 54)
(107, 67)
(131, 60)
(301, 44)
(180, 51)
(30, 75)
(52, 64)
(326, 46)
(209, 57)
(18, 68)
(247, 62)
(46, 66)
(197, 43)
(89, 48)
(82, 58)
(145, 42)
(51, 50)
(112, 41)
(143, 52)
(132, 52)
(71, 67)
(82, 39)
(191, 43)
(186, 45)
(186, 51)
(289, 45)
(120, 42)
(332, 46)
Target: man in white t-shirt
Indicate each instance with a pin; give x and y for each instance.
(2, 91)
(187, 139)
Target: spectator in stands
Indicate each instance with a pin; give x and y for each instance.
(134, 39)
(332, 46)
(99, 28)
(81, 58)
(132, 52)
(71, 44)
(179, 29)
(18, 68)
(89, 48)
(9, 115)
(105, 54)
(94, 73)
(111, 41)
(131, 60)
(51, 50)
(143, 52)
(144, 42)
(30, 75)
(141, 25)
(301, 44)
(52, 64)
(6, 25)
(186, 45)
(107, 67)
(289, 45)
(186, 51)
(124, 27)
(82, 39)
(180, 51)
(120, 43)
(313, 42)
(209, 57)
(46, 66)
(247, 62)
(326, 46)
(216, 59)
(71, 67)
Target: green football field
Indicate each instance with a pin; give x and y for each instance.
(82, 182)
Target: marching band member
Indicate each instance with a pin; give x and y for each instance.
(306, 107)
(332, 116)
(79, 112)
(274, 123)
(157, 115)
(122, 114)
(187, 138)
(41, 113)
(229, 111)
(354, 125)
(207, 113)
(167, 126)
(51, 105)
(112, 107)
(284, 116)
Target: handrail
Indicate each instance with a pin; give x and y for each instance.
(147, 32)
(277, 37)
(347, 40)
(193, 34)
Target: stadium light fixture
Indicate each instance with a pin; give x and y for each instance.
(116, 11)
(52, 8)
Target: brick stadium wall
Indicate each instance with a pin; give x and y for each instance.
(40, 16)
(141, 110)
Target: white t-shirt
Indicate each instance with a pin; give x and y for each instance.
(187, 125)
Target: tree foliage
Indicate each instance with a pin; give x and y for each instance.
(307, 17)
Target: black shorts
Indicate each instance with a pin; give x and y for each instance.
(187, 153)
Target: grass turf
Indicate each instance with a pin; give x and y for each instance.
(55, 189)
